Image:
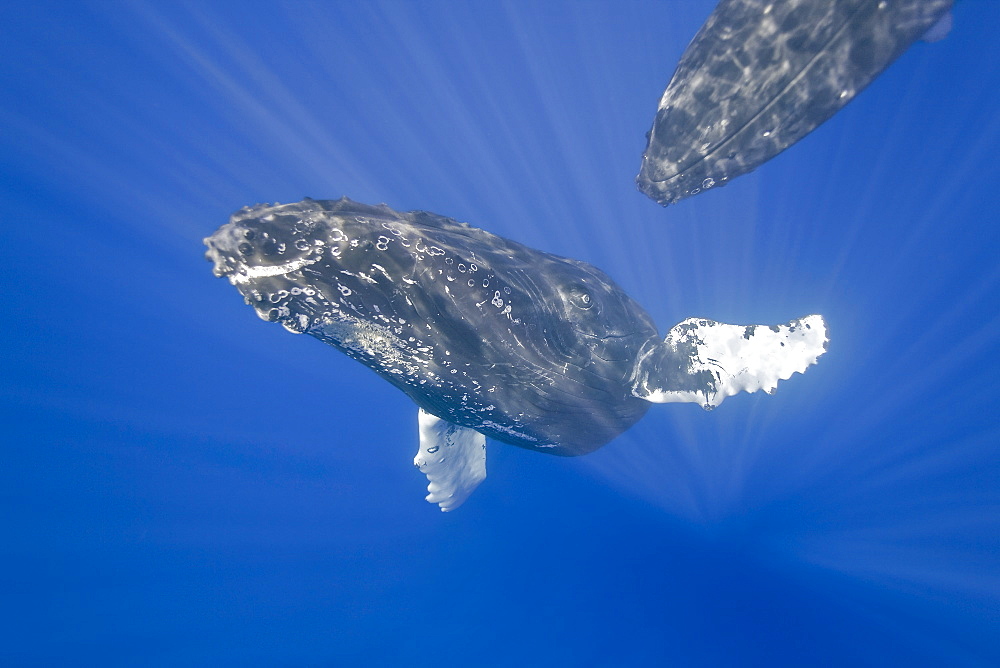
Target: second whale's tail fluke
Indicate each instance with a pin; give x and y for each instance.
(703, 361)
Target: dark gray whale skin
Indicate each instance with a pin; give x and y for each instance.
(525, 347)
(760, 75)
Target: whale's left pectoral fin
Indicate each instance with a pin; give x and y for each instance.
(452, 457)
(703, 361)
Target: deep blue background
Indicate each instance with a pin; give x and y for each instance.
(183, 484)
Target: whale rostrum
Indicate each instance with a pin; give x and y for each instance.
(490, 338)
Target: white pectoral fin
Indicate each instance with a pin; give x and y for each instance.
(704, 361)
(452, 457)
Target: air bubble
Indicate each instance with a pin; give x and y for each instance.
(434, 448)
(461, 267)
(245, 248)
(708, 183)
(471, 282)
(302, 244)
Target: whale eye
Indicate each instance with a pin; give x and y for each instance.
(580, 297)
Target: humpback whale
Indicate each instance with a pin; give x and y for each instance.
(762, 74)
(489, 338)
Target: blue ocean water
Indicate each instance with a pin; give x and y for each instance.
(183, 484)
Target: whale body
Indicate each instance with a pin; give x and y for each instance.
(489, 338)
(761, 74)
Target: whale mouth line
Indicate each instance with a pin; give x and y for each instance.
(606, 337)
(248, 274)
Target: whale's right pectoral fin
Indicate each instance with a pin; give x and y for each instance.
(452, 457)
(704, 361)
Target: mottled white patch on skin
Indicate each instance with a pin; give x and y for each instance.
(375, 342)
(514, 432)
